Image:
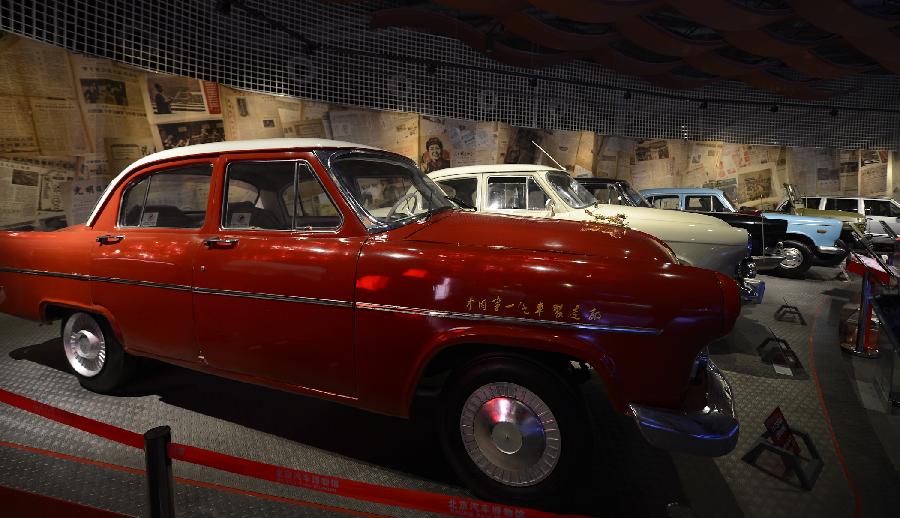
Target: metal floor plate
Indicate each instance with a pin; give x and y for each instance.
(630, 478)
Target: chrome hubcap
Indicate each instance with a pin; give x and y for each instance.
(84, 344)
(510, 434)
(793, 258)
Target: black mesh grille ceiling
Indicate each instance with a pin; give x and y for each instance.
(327, 52)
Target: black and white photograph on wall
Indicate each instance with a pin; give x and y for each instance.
(754, 186)
(651, 150)
(435, 157)
(178, 134)
(171, 94)
(104, 91)
(26, 178)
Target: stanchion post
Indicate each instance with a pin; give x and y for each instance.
(160, 488)
(865, 314)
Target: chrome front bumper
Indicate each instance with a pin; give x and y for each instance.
(711, 432)
(767, 262)
(830, 250)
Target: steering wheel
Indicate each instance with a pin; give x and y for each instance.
(396, 205)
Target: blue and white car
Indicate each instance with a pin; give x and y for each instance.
(809, 240)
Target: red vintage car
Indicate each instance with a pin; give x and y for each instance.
(342, 272)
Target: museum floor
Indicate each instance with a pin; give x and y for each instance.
(857, 438)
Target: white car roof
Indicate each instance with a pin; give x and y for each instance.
(492, 168)
(222, 147)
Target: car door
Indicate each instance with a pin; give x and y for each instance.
(275, 282)
(142, 266)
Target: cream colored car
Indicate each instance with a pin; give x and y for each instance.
(540, 191)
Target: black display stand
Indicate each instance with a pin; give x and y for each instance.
(807, 470)
(788, 313)
(776, 350)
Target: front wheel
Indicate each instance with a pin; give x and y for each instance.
(798, 258)
(95, 355)
(514, 431)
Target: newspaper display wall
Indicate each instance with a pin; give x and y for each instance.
(122, 152)
(80, 196)
(72, 122)
(394, 131)
(17, 131)
(19, 192)
(254, 116)
(181, 112)
(873, 172)
(456, 143)
(111, 100)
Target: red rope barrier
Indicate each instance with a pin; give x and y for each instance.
(397, 497)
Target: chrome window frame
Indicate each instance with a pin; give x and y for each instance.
(297, 163)
(370, 223)
(149, 178)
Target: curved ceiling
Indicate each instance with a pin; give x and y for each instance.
(782, 46)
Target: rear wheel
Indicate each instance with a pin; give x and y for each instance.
(94, 354)
(514, 430)
(798, 258)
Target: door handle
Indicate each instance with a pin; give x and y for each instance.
(107, 239)
(220, 242)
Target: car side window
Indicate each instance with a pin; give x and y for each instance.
(515, 192)
(276, 204)
(664, 202)
(175, 198)
(606, 194)
(718, 206)
(845, 204)
(463, 189)
(312, 208)
(878, 208)
(811, 203)
(698, 203)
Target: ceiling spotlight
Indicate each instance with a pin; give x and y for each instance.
(704, 105)
(774, 108)
(833, 112)
(627, 95)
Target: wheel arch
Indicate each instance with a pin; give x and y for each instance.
(802, 238)
(432, 371)
(52, 310)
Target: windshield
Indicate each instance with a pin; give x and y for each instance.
(389, 192)
(730, 202)
(573, 193)
(636, 199)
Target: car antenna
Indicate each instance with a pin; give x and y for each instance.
(548, 155)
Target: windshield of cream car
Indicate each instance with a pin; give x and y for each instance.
(388, 192)
(573, 193)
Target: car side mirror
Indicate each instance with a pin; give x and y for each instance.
(551, 207)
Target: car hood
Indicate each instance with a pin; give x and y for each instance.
(672, 226)
(537, 234)
(802, 220)
(848, 217)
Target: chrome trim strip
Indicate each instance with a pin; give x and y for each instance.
(344, 303)
(272, 296)
(76, 276)
(505, 319)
